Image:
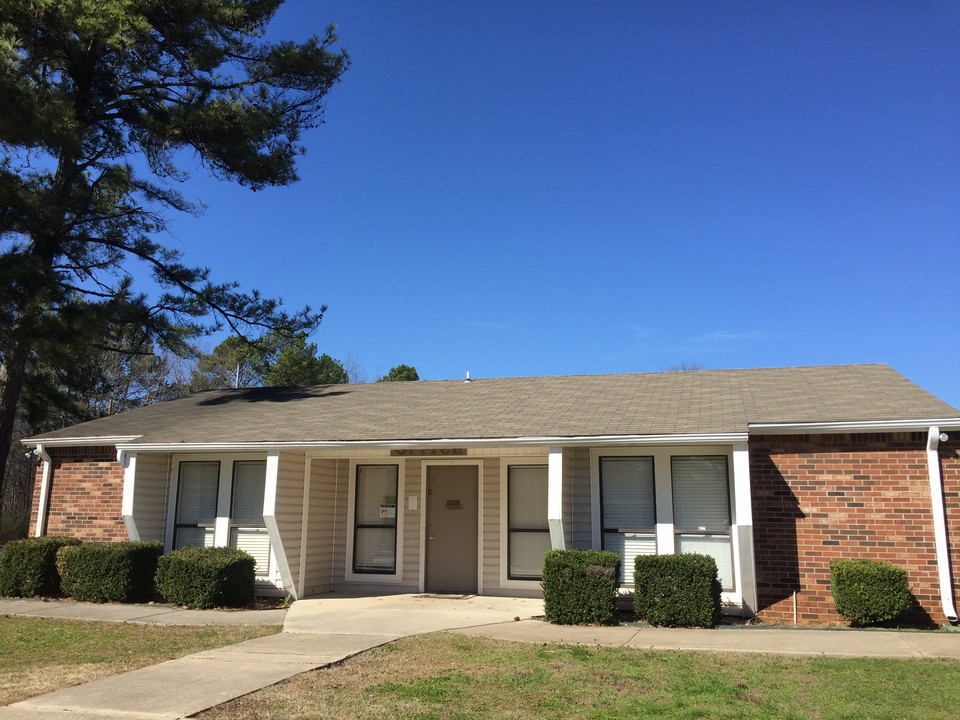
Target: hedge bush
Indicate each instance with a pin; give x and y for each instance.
(28, 568)
(206, 577)
(868, 592)
(680, 590)
(580, 586)
(109, 572)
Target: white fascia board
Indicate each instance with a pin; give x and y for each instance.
(81, 441)
(845, 426)
(555, 441)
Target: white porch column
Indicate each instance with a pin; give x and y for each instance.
(129, 463)
(743, 528)
(270, 520)
(555, 498)
(43, 502)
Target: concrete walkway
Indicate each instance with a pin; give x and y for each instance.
(323, 631)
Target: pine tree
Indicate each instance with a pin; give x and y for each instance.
(90, 92)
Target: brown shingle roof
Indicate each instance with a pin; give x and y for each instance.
(704, 401)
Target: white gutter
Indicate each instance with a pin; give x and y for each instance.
(845, 426)
(44, 500)
(940, 525)
(81, 441)
(554, 441)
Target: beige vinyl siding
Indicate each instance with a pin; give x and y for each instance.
(491, 526)
(321, 527)
(412, 530)
(289, 509)
(341, 502)
(150, 495)
(409, 560)
(576, 481)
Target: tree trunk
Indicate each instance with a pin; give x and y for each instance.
(12, 375)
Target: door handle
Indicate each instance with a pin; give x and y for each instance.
(430, 537)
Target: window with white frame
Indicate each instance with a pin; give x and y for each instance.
(628, 509)
(375, 520)
(248, 531)
(701, 510)
(528, 533)
(197, 489)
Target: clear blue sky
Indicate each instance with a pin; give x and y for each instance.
(540, 188)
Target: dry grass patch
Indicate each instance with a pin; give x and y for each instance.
(452, 676)
(40, 655)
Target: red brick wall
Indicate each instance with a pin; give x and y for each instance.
(822, 497)
(86, 492)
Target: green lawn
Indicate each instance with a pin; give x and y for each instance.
(39, 655)
(452, 676)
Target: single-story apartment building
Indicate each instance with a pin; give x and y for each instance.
(462, 486)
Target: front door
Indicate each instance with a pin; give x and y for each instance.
(452, 504)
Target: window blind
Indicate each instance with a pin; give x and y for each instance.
(249, 478)
(256, 542)
(701, 500)
(197, 493)
(627, 490)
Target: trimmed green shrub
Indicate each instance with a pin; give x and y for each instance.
(868, 592)
(680, 590)
(28, 568)
(580, 586)
(205, 577)
(109, 572)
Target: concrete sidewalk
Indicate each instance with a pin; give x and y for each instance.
(326, 630)
(143, 614)
(771, 641)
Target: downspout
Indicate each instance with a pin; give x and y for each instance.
(940, 525)
(43, 502)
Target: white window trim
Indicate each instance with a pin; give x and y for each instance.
(505, 463)
(663, 489)
(222, 524)
(374, 578)
(425, 464)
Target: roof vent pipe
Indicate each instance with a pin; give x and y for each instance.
(934, 438)
(468, 377)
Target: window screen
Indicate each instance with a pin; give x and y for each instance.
(628, 506)
(528, 529)
(375, 520)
